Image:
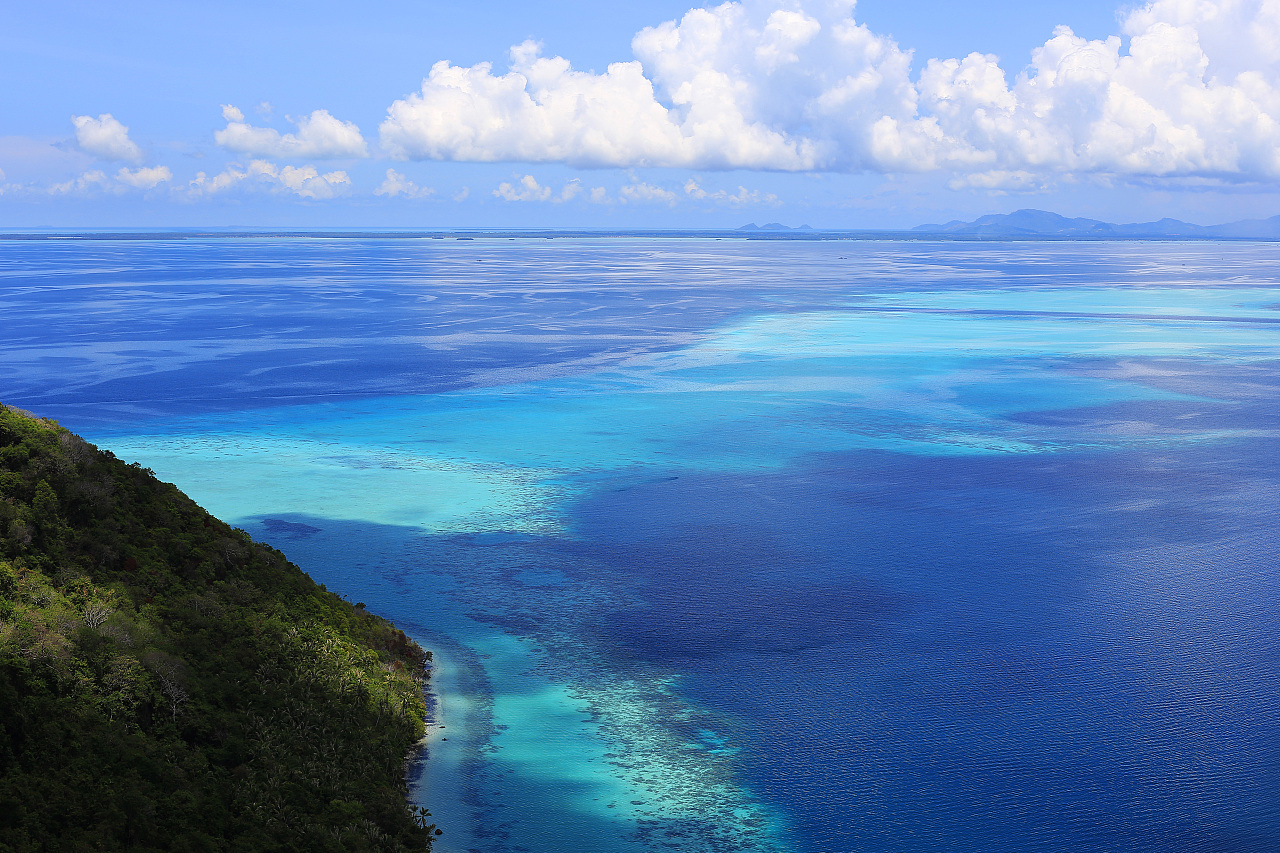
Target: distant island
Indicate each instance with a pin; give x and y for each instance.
(1041, 224)
(773, 226)
(167, 683)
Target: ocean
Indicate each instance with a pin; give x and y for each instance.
(785, 546)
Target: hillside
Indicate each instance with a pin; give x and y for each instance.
(166, 683)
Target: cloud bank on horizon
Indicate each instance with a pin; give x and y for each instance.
(1188, 94)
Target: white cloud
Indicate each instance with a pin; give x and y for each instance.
(96, 181)
(528, 189)
(544, 111)
(801, 85)
(307, 183)
(202, 184)
(144, 178)
(570, 191)
(105, 138)
(304, 181)
(998, 181)
(320, 136)
(642, 192)
(1180, 102)
(86, 183)
(742, 197)
(397, 184)
(461, 194)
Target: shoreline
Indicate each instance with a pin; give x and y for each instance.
(437, 782)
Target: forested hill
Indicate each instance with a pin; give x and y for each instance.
(166, 683)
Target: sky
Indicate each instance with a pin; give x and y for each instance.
(649, 114)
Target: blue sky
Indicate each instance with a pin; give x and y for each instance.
(646, 114)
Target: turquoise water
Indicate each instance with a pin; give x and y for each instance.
(728, 546)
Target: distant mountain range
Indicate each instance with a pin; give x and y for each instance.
(1041, 223)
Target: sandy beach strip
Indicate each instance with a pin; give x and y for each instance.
(436, 779)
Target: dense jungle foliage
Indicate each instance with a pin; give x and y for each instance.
(166, 683)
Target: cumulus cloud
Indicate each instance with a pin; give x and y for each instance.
(1195, 95)
(528, 189)
(544, 111)
(571, 190)
(803, 86)
(741, 198)
(997, 181)
(320, 136)
(105, 138)
(306, 182)
(303, 181)
(203, 184)
(86, 183)
(397, 184)
(126, 179)
(144, 178)
(642, 192)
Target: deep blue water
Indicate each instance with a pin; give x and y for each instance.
(733, 546)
